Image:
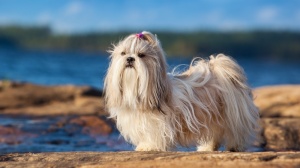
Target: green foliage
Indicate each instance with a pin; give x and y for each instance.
(274, 44)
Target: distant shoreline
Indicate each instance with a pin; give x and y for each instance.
(278, 45)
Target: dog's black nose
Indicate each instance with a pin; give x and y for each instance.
(130, 59)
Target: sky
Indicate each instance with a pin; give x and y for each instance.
(72, 16)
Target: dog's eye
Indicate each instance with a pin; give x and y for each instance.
(141, 55)
(123, 53)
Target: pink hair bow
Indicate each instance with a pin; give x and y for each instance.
(140, 35)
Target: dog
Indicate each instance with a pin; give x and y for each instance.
(209, 105)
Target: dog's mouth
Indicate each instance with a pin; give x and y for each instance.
(129, 65)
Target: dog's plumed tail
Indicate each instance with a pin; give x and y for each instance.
(240, 112)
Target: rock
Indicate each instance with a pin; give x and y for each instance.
(281, 134)
(30, 99)
(12, 136)
(279, 108)
(92, 125)
(151, 159)
(278, 101)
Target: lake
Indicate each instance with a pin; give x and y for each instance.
(56, 68)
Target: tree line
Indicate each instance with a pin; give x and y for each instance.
(256, 43)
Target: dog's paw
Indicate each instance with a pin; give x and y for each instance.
(145, 147)
(208, 146)
(205, 148)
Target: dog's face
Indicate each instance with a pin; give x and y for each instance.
(137, 71)
(137, 53)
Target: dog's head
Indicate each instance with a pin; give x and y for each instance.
(138, 50)
(137, 72)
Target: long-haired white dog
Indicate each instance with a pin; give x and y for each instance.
(208, 105)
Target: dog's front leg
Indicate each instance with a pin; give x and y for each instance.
(154, 146)
(147, 147)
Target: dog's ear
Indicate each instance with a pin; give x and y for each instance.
(152, 39)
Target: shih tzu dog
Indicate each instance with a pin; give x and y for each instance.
(208, 105)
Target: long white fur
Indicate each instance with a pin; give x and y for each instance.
(208, 105)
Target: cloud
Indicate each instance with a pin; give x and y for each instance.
(44, 18)
(267, 14)
(74, 8)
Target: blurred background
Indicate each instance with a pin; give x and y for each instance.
(54, 42)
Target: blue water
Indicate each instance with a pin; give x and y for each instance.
(58, 134)
(54, 134)
(55, 68)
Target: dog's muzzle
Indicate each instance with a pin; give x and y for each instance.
(130, 61)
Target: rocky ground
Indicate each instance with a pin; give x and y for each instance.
(152, 159)
(280, 119)
(36, 100)
(279, 108)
